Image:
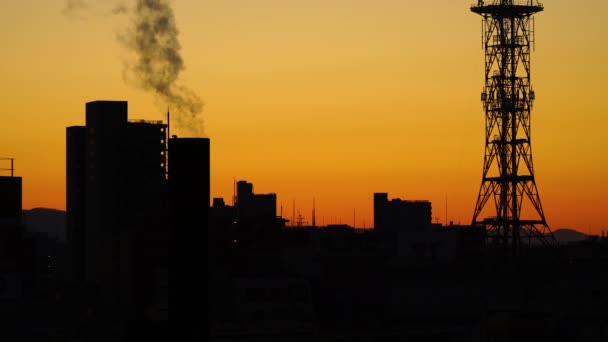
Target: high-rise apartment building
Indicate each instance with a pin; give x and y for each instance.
(116, 204)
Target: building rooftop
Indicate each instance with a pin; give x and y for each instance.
(150, 122)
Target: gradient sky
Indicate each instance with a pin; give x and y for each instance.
(325, 99)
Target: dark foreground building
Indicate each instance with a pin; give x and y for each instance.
(117, 222)
(10, 197)
(189, 194)
(137, 205)
(15, 252)
(399, 215)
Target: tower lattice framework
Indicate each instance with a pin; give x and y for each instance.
(508, 170)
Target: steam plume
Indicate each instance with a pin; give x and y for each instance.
(153, 37)
(72, 6)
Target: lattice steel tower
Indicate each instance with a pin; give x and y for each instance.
(508, 171)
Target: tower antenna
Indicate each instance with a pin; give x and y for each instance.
(507, 97)
(234, 191)
(167, 144)
(314, 221)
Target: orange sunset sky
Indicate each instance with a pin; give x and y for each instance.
(325, 99)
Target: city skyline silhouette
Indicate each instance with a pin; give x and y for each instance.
(378, 101)
(303, 171)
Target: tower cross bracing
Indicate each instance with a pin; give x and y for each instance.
(508, 183)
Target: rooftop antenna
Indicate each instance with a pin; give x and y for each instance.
(446, 209)
(167, 143)
(314, 222)
(12, 168)
(234, 191)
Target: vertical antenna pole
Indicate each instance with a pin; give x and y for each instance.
(314, 221)
(167, 143)
(533, 34)
(483, 31)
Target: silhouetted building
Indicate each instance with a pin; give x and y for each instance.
(75, 198)
(17, 271)
(116, 205)
(256, 227)
(189, 189)
(400, 215)
(251, 222)
(254, 205)
(16, 254)
(24, 273)
(405, 226)
(10, 197)
(248, 205)
(221, 211)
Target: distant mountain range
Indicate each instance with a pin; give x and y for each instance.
(45, 220)
(566, 235)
